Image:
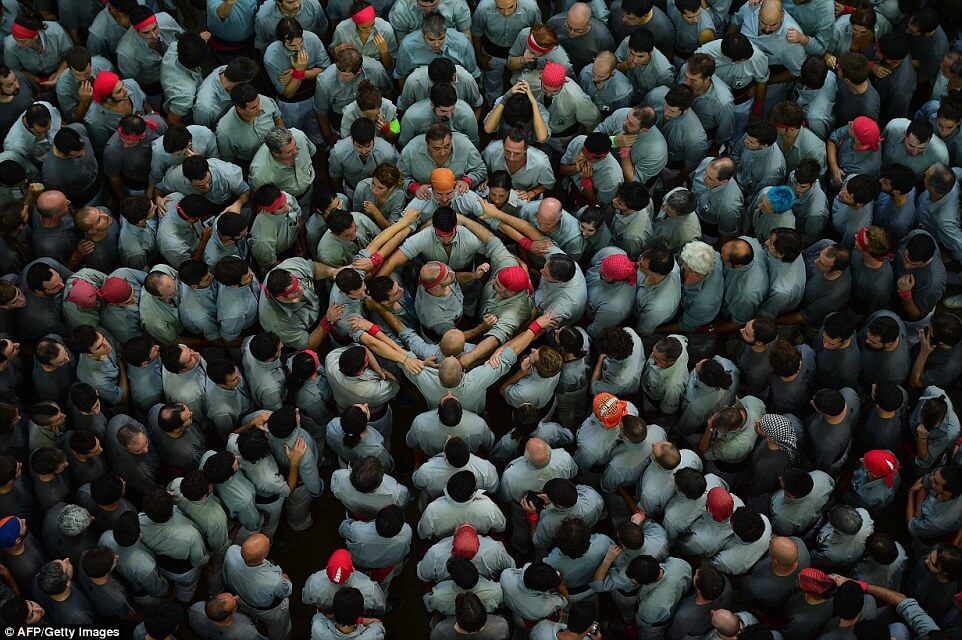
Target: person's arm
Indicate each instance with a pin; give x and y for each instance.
(294, 457)
(903, 288)
(706, 438)
(198, 253)
(522, 371)
(122, 381)
(387, 241)
(523, 340)
(317, 335)
(917, 495)
(324, 122)
(397, 258)
(922, 449)
(493, 119)
(523, 230)
(8, 579)
(610, 556)
(596, 372)
(918, 367)
(85, 95)
(387, 316)
(387, 60)
(541, 131)
(482, 328)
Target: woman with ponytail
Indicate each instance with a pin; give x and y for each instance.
(349, 438)
(571, 393)
(36, 48)
(307, 386)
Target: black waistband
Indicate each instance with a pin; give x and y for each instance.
(494, 50)
(304, 92)
(173, 565)
(259, 499)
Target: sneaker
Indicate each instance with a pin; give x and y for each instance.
(953, 302)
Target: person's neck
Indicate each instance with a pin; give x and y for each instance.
(569, 635)
(871, 261)
(845, 623)
(895, 345)
(882, 413)
(832, 275)
(101, 581)
(654, 278)
(789, 138)
(899, 199)
(7, 488)
(345, 628)
(759, 348)
(110, 507)
(224, 623)
(16, 549)
(5, 99)
(835, 419)
(858, 89)
(700, 599)
(49, 223)
(60, 597)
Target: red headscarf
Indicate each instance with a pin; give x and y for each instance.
(867, 132)
(618, 266)
(515, 279)
(882, 464)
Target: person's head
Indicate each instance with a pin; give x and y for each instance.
(73, 521)
(677, 101)
(641, 43)
(434, 31)
(559, 267)
(797, 483)
(98, 562)
(389, 521)
(537, 453)
(680, 203)
(656, 262)
(240, 69)
(456, 452)
(362, 136)
(178, 358)
(37, 119)
(666, 352)
(78, 63)
(450, 411)
(882, 333)
(945, 329)
(947, 118)
(897, 179)
(561, 492)
(44, 280)
(281, 144)
(615, 342)
(541, 576)
(252, 445)
(220, 607)
(760, 135)
(848, 600)
(919, 251)
(719, 171)
(162, 620)
(233, 271)
(221, 466)
(367, 474)
(784, 244)
(853, 69)
(644, 569)
(690, 483)
(191, 50)
(85, 443)
(85, 398)
(47, 414)
(443, 69)
(282, 423)
(246, 101)
(439, 141)
(469, 612)
(348, 605)
(53, 578)
(939, 180)
(748, 524)
(107, 489)
(917, 136)
(573, 537)
(463, 572)
(698, 259)
(158, 505)
(845, 519)
(461, 486)
(699, 71)
(784, 359)
(349, 65)
(737, 253)
(892, 48)
(709, 582)
(48, 461)
(805, 176)
(69, 143)
(945, 560)
(863, 21)
(923, 22)
(881, 548)
(18, 612)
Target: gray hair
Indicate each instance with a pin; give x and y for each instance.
(52, 579)
(73, 520)
(681, 202)
(698, 257)
(941, 178)
(434, 25)
(277, 138)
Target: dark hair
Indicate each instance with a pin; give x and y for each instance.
(351, 360)
(162, 619)
(362, 131)
(680, 97)
(367, 474)
(848, 600)
(456, 452)
(747, 524)
(252, 445)
(348, 605)
(829, 402)
(106, 489)
(881, 547)
(762, 131)
(615, 343)
(715, 375)
(97, 562)
(643, 569)
(450, 412)
(710, 582)
(231, 270)
(814, 71)
(863, 189)
(461, 486)
(889, 396)
(191, 50)
(797, 483)
(784, 358)
(158, 505)
(463, 572)
(573, 537)
(67, 140)
(444, 219)
(736, 46)
(562, 492)
(807, 171)
(46, 460)
(788, 242)
(469, 611)
(389, 521)
(933, 412)
(921, 247)
(241, 69)
(441, 70)
(921, 129)
(193, 272)
(540, 576)
(195, 485)
(854, 67)
(263, 346)
(838, 326)
(690, 483)
(282, 422)
(641, 40)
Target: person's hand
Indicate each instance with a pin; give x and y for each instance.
(489, 321)
(431, 363)
(481, 270)
(86, 91)
(906, 282)
(85, 248)
(613, 552)
(527, 195)
(161, 202)
(528, 57)
(547, 320)
(794, 36)
(380, 123)
(754, 3)
(34, 189)
(368, 621)
(639, 518)
(838, 176)
(830, 60)
(413, 365)
(765, 206)
(286, 76)
(526, 506)
(484, 61)
(838, 579)
(380, 43)
(342, 47)
(922, 432)
(206, 233)
(260, 420)
(235, 207)
(526, 364)
(423, 192)
(489, 211)
(623, 140)
(540, 247)
(461, 187)
(357, 323)
(925, 343)
(881, 71)
(495, 360)
(363, 264)
(295, 455)
(389, 376)
(526, 89)
(205, 36)
(334, 312)
(839, 8)
(299, 60)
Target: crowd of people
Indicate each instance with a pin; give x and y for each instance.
(614, 319)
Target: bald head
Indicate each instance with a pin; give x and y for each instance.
(784, 551)
(725, 622)
(255, 549)
(52, 204)
(549, 215)
(579, 15)
(452, 342)
(451, 372)
(604, 64)
(537, 452)
(431, 273)
(220, 607)
(770, 16)
(737, 253)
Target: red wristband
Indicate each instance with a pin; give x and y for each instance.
(468, 180)
(373, 331)
(535, 328)
(326, 324)
(525, 243)
(905, 295)
(297, 74)
(532, 517)
(377, 259)
(625, 152)
(414, 187)
(757, 108)
(862, 584)
(386, 127)
(958, 440)
(847, 9)
(587, 183)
